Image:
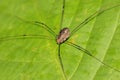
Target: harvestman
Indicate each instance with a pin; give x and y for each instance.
(64, 34)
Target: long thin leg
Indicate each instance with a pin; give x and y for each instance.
(6, 38)
(62, 15)
(61, 64)
(91, 17)
(40, 24)
(87, 52)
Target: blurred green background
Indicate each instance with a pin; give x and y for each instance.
(37, 59)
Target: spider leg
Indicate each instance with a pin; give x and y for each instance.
(6, 38)
(91, 17)
(88, 53)
(60, 61)
(39, 24)
(62, 15)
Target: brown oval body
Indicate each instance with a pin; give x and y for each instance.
(63, 35)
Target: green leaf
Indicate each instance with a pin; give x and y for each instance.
(37, 59)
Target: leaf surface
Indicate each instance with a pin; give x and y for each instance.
(37, 59)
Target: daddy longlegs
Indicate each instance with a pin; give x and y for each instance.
(64, 35)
